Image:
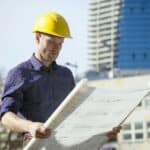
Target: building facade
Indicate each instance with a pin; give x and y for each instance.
(119, 35)
(136, 130)
(135, 134)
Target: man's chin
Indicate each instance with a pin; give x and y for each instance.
(52, 59)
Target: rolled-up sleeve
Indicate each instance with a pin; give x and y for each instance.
(12, 95)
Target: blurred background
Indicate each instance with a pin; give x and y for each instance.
(111, 43)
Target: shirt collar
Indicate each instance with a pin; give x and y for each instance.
(37, 65)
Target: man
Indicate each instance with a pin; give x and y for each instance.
(36, 87)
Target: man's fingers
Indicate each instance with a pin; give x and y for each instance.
(37, 129)
(43, 133)
(116, 129)
(42, 136)
(113, 133)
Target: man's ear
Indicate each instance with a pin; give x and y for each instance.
(37, 37)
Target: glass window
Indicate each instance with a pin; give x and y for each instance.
(138, 125)
(133, 56)
(127, 136)
(131, 9)
(138, 136)
(148, 135)
(148, 125)
(144, 55)
(142, 8)
(127, 127)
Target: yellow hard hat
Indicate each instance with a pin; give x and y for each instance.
(52, 23)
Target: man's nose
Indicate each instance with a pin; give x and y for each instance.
(56, 46)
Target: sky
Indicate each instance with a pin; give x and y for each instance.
(17, 42)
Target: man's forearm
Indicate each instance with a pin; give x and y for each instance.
(15, 123)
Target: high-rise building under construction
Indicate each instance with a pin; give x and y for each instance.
(119, 35)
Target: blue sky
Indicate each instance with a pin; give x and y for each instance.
(17, 41)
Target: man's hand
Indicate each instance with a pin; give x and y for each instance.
(113, 133)
(37, 130)
(31, 129)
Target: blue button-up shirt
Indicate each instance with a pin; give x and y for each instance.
(33, 91)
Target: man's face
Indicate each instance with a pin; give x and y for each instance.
(49, 46)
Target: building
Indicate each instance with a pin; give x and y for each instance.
(135, 134)
(119, 36)
(136, 130)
